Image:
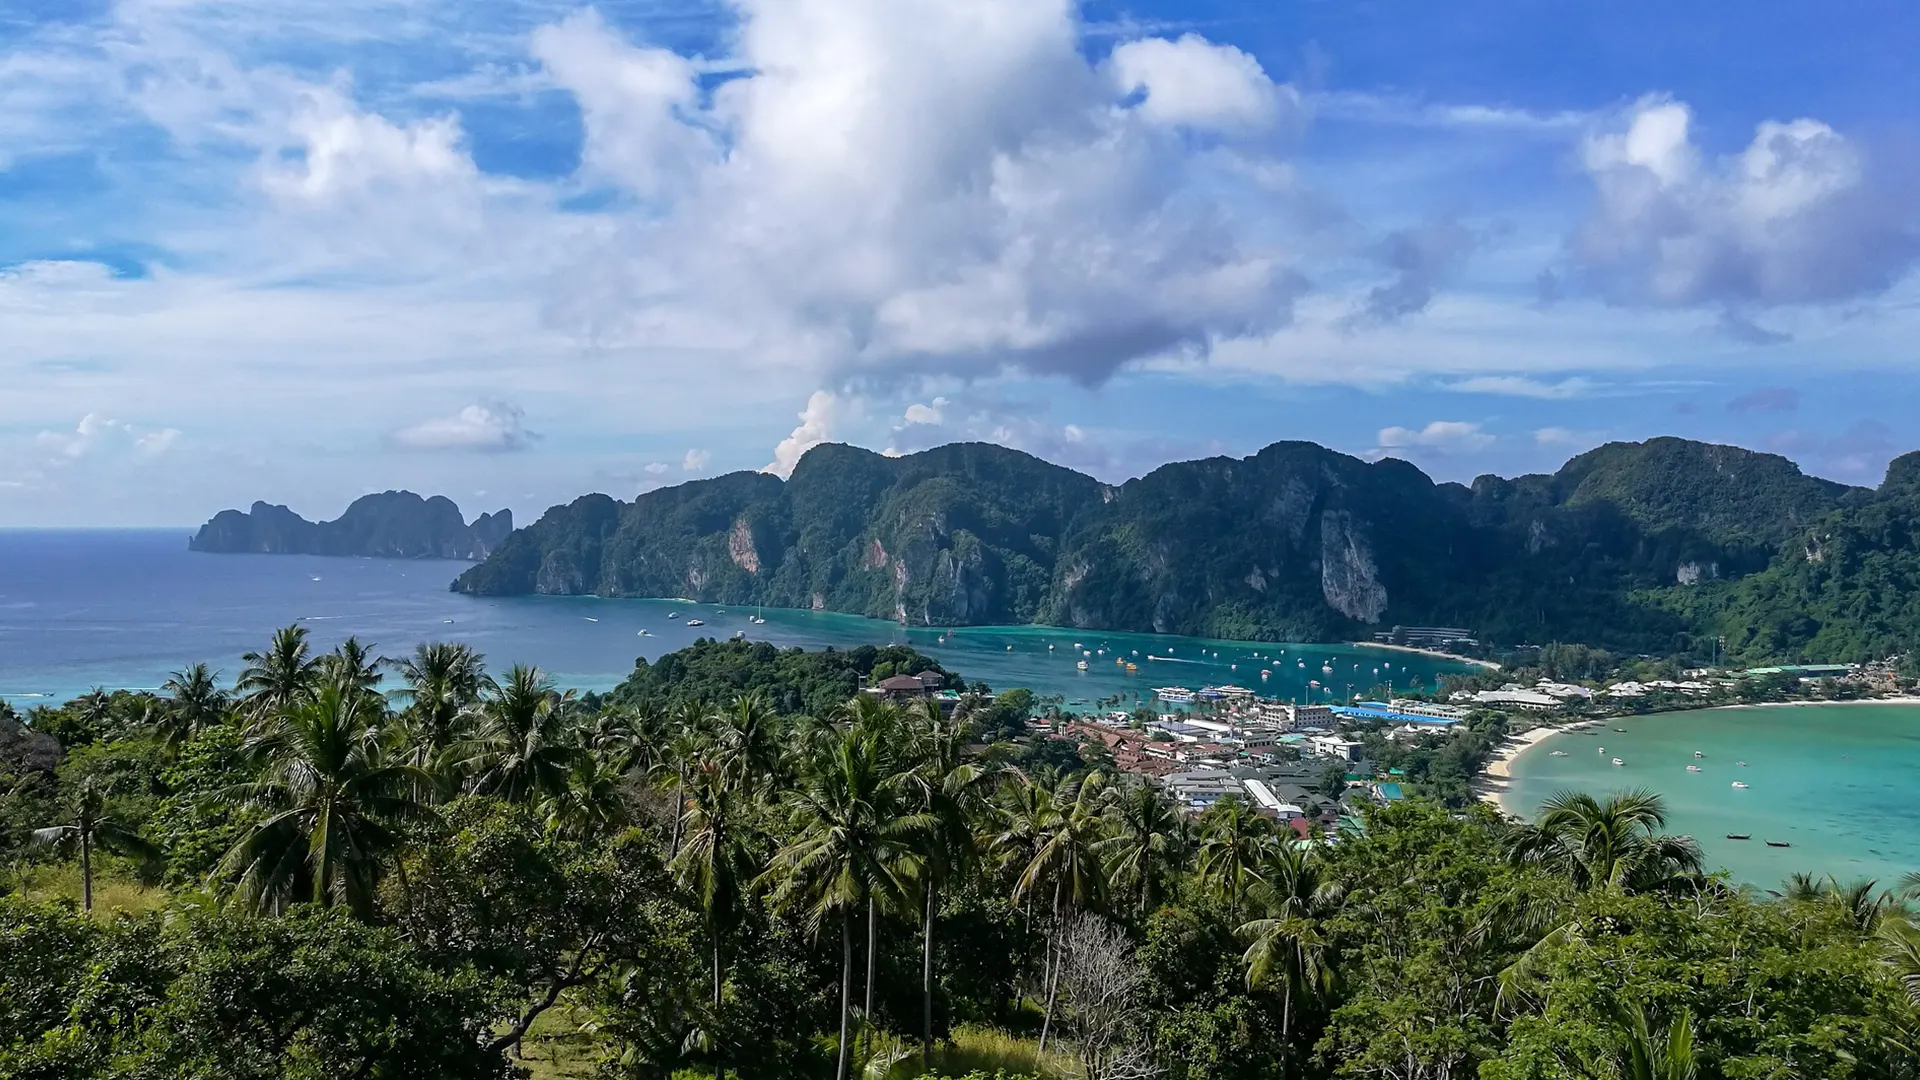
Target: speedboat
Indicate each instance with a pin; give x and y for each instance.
(1693, 768)
(695, 622)
(1617, 761)
(590, 618)
(1739, 836)
(1082, 665)
(1599, 749)
(1778, 843)
(1558, 753)
(673, 614)
(1739, 785)
(644, 633)
(1698, 754)
(1742, 764)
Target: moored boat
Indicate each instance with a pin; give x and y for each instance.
(1778, 843)
(1739, 836)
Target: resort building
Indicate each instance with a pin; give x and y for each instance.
(1337, 747)
(1513, 694)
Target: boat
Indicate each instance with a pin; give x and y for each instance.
(644, 633)
(1558, 753)
(695, 622)
(1739, 785)
(739, 635)
(1082, 665)
(590, 618)
(447, 621)
(1009, 648)
(1086, 652)
(1617, 761)
(1739, 836)
(1599, 749)
(1698, 754)
(1133, 667)
(673, 614)
(1693, 768)
(1778, 843)
(1742, 764)
(1621, 730)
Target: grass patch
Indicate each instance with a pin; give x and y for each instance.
(985, 1050)
(559, 1047)
(111, 893)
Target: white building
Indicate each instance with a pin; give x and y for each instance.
(1525, 699)
(1337, 747)
(1416, 707)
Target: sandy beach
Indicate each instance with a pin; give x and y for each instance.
(1437, 654)
(1491, 784)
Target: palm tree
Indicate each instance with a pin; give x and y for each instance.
(1148, 840)
(747, 738)
(713, 862)
(441, 681)
(945, 784)
(1899, 941)
(90, 827)
(686, 741)
(351, 666)
(591, 803)
(1610, 843)
(1233, 840)
(195, 703)
(1666, 1055)
(280, 676)
(1066, 852)
(334, 802)
(523, 752)
(1296, 893)
(93, 710)
(855, 844)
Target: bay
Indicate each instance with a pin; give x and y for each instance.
(1835, 781)
(122, 609)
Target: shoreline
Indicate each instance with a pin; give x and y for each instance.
(1494, 780)
(1435, 653)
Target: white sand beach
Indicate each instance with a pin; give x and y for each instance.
(1488, 664)
(1491, 784)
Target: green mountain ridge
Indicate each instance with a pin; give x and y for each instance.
(1647, 546)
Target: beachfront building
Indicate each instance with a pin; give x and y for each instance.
(1516, 695)
(1436, 709)
(1286, 716)
(1427, 637)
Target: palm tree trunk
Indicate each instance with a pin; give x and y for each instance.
(872, 934)
(1286, 1022)
(679, 809)
(1052, 979)
(86, 870)
(926, 985)
(846, 985)
(716, 967)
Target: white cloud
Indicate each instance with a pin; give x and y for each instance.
(695, 461)
(816, 426)
(1194, 83)
(656, 468)
(1803, 215)
(933, 412)
(1560, 436)
(1523, 386)
(96, 436)
(1443, 436)
(489, 427)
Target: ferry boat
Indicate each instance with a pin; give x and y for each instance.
(1174, 695)
(1739, 785)
(695, 622)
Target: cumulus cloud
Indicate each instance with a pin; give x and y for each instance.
(1775, 399)
(807, 210)
(100, 436)
(816, 426)
(1441, 436)
(655, 468)
(1802, 215)
(487, 427)
(1560, 436)
(695, 461)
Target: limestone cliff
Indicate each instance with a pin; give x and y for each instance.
(389, 525)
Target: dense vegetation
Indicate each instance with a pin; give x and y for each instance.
(476, 875)
(1646, 547)
(386, 525)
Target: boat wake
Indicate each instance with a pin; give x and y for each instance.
(1171, 659)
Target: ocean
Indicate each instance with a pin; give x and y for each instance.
(1836, 782)
(122, 609)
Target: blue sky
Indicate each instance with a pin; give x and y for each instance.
(516, 251)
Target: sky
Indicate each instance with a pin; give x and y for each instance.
(516, 251)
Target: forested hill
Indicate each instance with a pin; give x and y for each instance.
(389, 525)
(1644, 546)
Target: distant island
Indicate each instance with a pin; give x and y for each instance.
(389, 525)
(1654, 547)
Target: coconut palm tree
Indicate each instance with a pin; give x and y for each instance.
(747, 739)
(1149, 838)
(351, 666)
(522, 751)
(592, 803)
(440, 682)
(1296, 894)
(856, 842)
(1233, 840)
(1899, 941)
(278, 677)
(1607, 843)
(715, 861)
(944, 783)
(90, 826)
(1651, 1055)
(194, 703)
(687, 739)
(334, 803)
(93, 711)
(1065, 837)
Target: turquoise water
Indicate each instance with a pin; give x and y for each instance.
(124, 608)
(1837, 782)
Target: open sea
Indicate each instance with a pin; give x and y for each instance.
(1836, 782)
(123, 608)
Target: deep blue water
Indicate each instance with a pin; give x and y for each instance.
(80, 609)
